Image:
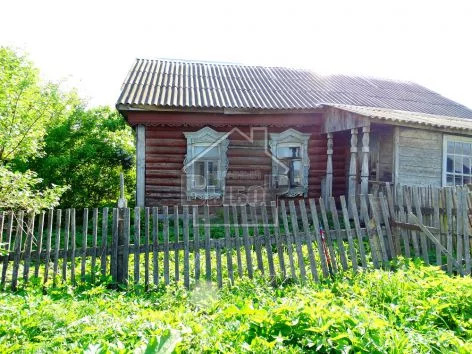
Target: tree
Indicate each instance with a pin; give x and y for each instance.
(26, 107)
(87, 151)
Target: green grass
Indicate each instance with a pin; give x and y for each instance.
(412, 309)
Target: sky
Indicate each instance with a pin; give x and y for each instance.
(91, 45)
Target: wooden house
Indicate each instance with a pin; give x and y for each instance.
(212, 131)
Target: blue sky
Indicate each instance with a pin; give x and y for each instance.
(91, 44)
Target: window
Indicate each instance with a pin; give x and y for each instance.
(457, 160)
(206, 163)
(290, 162)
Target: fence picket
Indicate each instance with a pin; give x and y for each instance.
(437, 222)
(380, 236)
(328, 236)
(114, 245)
(319, 241)
(219, 276)
(308, 240)
(137, 243)
(466, 230)
(207, 226)
(413, 233)
(84, 244)
(17, 250)
(186, 247)
(298, 244)
(155, 245)
(166, 244)
(459, 228)
(28, 246)
(393, 247)
(280, 251)
(247, 247)
(48, 245)
(359, 234)
(229, 251)
(256, 238)
(146, 247)
(196, 240)
(103, 244)
(347, 226)
(176, 242)
(57, 245)
(267, 241)
(66, 244)
(73, 234)
(126, 243)
(424, 244)
(449, 229)
(374, 249)
(237, 240)
(337, 227)
(94, 243)
(39, 245)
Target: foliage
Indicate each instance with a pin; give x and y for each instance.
(27, 106)
(414, 309)
(87, 151)
(19, 191)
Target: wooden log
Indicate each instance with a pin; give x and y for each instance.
(84, 244)
(280, 251)
(207, 243)
(166, 244)
(39, 246)
(337, 227)
(186, 247)
(247, 247)
(424, 244)
(103, 244)
(57, 245)
(347, 226)
(176, 241)
(319, 240)
(359, 233)
(309, 240)
(94, 243)
(380, 236)
(147, 213)
(155, 245)
(237, 240)
(66, 244)
(329, 237)
(17, 250)
(137, 243)
(73, 234)
(298, 244)
(196, 240)
(48, 245)
(28, 246)
(374, 249)
(229, 251)
(267, 242)
(257, 239)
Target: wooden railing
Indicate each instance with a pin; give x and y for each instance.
(304, 240)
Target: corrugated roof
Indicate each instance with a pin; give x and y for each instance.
(187, 85)
(410, 118)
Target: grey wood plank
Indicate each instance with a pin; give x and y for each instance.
(298, 244)
(207, 243)
(166, 243)
(459, 227)
(347, 226)
(374, 249)
(257, 239)
(114, 245)
(219, 277)
(409, 210)
(73, 240)
(66, 244)
(319, 241)
(57, 245)
(267, 242)
(289, 240)
(126, 243)
(28, 246)
(176, 241)
(84, 243)
(238, 243)
(229, 251)
(48, 245)
(404, 233)
(328, 236)
(94, 243)
(147, 218)
(466, 230)
(137, 243)
(380, 236)
(280, 251)
(17, 249)
(103, 243)
(419, 214)
(39, 245)
(186, 247)
(437, 222)
(196, 240)
(308, 239)
(386, 219)
(247, 247)
(8, 245)
(359, 233)
(449, 228)
(337, 227)
(155, 245)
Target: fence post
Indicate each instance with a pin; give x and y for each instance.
(121, 267)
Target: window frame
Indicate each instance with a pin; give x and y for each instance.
(208, 138)
(454, 138)
(290, 138)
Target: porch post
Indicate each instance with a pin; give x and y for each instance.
(353, 165)
(329, 167)
(365, 160)
(140, 164)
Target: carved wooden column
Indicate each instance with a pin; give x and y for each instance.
(329, 167)
(365, 160)
(353, 165)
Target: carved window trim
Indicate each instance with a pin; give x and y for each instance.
(292, 138)
(208, 138)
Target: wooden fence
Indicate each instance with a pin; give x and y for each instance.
(298, 240)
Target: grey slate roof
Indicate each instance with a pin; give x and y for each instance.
(186, 85)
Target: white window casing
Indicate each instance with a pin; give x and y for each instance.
(290, 162)
(457, 160)
(207, 155)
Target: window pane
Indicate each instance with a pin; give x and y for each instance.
(458, 149)
(282, 181)
(212, 173)
(450, 164)
(467, 149)
(288, 151)
(458, 180)
(466, 166)
(207, 151)
(449, 179)
(199, 177)
(458, 164)
(466, 179)
(296, 172)
(450, 147)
